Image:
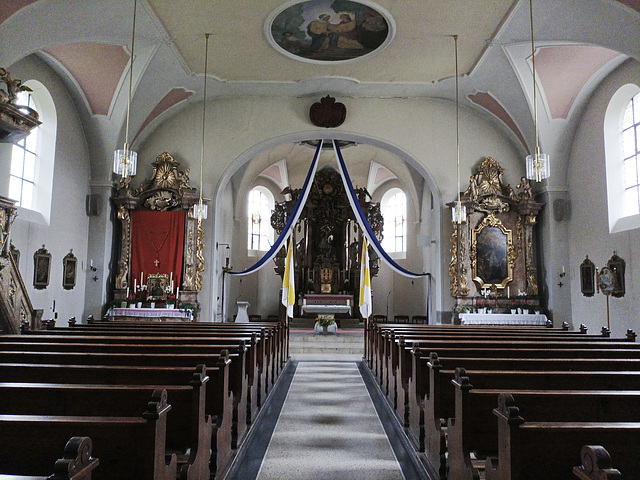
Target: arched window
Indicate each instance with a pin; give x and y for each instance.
(394, 212)
(32, 159)
(631, 156)
(622, 152)
(261, 204)
(23, 161)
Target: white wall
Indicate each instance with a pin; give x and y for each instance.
(589, 227)
(68, 227)
(420, 131)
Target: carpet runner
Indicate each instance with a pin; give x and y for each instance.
(329, 429)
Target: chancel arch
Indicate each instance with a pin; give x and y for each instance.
(267, 164)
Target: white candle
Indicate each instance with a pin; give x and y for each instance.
(563, 269)
(92, 263)
(141, 278)
(135, 284)
(171, 280)
(177, 294)
(508, 293)
(127, 292)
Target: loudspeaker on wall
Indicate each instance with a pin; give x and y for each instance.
(93, 205)
(561, 209)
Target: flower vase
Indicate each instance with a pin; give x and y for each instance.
(132, 305)
(139, 305)
(514, 311)
(525, 311)
(153, 304)
(489, 310)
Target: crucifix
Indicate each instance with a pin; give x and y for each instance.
(164, 236)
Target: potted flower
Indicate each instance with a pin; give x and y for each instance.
(325, 324)
(525, 309)
(480, 306)
(171, 301)
(490, 307)
(514, 308)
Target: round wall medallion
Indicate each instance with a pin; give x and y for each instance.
(329, 31)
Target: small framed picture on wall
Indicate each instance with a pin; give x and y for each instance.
(41, 268)
(69, 265)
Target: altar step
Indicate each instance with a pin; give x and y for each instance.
(308, 323)
(307, 345)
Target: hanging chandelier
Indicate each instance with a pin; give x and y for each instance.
(200, 210)
(538, 164)
(459, 211)
(125, 160)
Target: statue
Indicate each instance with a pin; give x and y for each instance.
(14, 87)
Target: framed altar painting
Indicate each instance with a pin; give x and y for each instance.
(490, 249)
(69, 265)
(157, 286)
(41, 268)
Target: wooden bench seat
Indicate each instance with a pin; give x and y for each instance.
(128, 447)
(238, 382)
(189, 430)
(76, 463)
(218, 406)
(474, 429)
(550, 450)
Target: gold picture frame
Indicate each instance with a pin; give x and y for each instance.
(157, 284)
(492, 254)
(41, 268)
(69, 266)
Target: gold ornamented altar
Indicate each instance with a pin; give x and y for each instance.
(168, 190)
(493, 254)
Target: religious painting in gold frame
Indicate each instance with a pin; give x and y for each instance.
(492, 253)
(157, 284)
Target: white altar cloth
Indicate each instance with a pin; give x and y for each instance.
(149, 313)
(326, 309)
(503, 319)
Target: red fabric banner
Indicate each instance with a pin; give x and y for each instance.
(157, 245)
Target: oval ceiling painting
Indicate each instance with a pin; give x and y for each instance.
(321, 31)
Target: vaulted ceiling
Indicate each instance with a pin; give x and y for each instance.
(87, 42)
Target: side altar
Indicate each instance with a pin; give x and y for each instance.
(161, 242)
(493, 254)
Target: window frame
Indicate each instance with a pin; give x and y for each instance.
(384, 206)
(269, 233)
(615, 174)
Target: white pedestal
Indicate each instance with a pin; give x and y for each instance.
(243, 316)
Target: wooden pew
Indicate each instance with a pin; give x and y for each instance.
(431, 406)
(596, 464)
(76, 463)
(219, 401)
(549, 450)
(211, 354)
(474, 429)
(128, 447)
(189, 430)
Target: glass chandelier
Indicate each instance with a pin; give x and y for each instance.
(125, 160)
(459, 211)
(538, 164)
(200, 210)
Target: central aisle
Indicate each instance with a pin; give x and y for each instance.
(329, 429)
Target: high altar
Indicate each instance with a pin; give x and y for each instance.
(493, 254)
(161, 258)
(327, 246)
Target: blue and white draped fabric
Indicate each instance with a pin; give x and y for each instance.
(293, 218)
(364, 223)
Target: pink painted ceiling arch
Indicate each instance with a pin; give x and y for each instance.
(564, 70)
(9, 7)
(97, 67)
(490, 104)
(172, 98)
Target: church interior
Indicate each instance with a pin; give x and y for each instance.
(399, 176)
